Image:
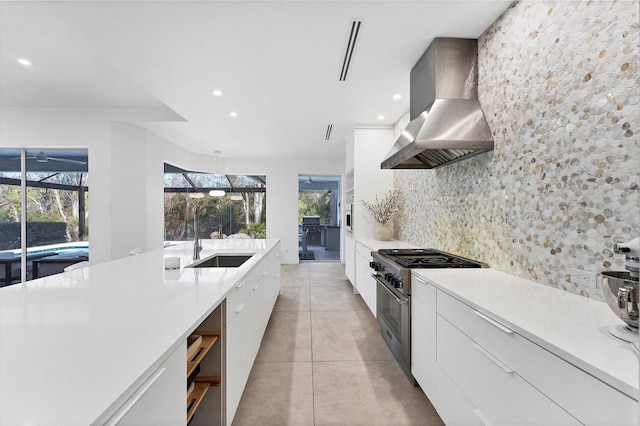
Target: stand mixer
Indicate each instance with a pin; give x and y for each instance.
(620, 290)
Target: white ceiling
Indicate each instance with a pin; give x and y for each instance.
(277, 64)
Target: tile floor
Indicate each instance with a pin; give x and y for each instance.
(322, 360)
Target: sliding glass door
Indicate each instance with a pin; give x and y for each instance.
(43, 212)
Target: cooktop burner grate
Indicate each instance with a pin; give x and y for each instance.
(427, 258)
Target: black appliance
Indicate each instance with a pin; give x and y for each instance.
(310, 220)
(392, 272)
(312, 224)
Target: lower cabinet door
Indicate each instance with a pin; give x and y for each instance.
(499, 395)
(240, 348)
(349, 260)
(365, 283)
(423, 335)
(261, 306)
(160, 399)
(247, 319)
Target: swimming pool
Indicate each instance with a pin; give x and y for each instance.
(10, 259)
(61, 248)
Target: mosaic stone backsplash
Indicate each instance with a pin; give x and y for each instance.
(558, 82)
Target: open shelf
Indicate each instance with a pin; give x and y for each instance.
(195, 397)
(208, 339)
(211, 380)
(200, 388)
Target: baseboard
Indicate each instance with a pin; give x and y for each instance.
(290, 260)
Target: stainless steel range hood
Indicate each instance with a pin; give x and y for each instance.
(447, 123)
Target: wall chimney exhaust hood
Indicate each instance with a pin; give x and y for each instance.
(447, 123)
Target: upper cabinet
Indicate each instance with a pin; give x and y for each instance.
(364, 179)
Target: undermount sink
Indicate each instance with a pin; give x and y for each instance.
(222, 261)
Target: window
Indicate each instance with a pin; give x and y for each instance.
(43, 221)
(241, 210)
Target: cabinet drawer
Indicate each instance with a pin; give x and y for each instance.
(451, 403)
(237, 297)
(261, 303)
(484, 330)
(363, 250)
(501, 396)
(590, 400)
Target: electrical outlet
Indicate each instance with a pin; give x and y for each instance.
(583, 278)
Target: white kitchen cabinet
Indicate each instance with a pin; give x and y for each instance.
(510, 380)
(364, 180)
(366, 148)
(160, 398)
(274, 272)
(451, 403)
(365, 284)
(423, 334)
(350, 259)
(588, 399)
(500, 396)
(248, 308)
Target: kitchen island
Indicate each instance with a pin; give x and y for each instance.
(84, 347)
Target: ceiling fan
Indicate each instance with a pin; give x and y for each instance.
(41, 157)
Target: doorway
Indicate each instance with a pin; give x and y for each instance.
(319, 218)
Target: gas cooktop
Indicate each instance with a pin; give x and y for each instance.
(427, 258)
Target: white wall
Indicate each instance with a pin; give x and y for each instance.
(126, 195)
(125, 190)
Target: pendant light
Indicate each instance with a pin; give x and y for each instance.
(217, 192)
(236, 197)
(196, 195)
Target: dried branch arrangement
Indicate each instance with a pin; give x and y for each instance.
(383, 210)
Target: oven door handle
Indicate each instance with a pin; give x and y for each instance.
(380, 282)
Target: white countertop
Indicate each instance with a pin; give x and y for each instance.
(570, 326)
(71, 344)
(378, 245)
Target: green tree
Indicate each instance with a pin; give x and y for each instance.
(314, 204)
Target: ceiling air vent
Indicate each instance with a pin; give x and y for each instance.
(327, 135)
(351, 44)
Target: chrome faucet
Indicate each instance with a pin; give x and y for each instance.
(197, 248)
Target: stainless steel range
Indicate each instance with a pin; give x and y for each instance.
(392, 271)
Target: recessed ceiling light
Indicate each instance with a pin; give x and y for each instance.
(233, 114)
(380, 117)
(397, 97)
(25, 62)
(217, 92)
